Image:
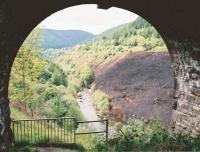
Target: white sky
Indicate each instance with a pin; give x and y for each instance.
(88, 18)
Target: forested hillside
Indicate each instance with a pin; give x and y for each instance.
(38, 87)
(81, 61)
(136, 36)
(36, 81)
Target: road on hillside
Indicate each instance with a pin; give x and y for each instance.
(88, 110)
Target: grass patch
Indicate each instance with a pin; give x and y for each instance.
(23, 149)
(16, 114)
(90, 142)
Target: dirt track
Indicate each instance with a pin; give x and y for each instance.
(88, 110)
(140, 84)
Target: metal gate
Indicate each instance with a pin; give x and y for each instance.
(105, 131)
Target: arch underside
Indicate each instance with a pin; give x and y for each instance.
(177, 22)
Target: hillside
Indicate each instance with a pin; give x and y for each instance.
(36, 82)
(55, 85)
(139, 84)
(135, 36)
(56, 39)
(64, 38)
(103, 54)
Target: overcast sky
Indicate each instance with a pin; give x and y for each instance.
(88, 18)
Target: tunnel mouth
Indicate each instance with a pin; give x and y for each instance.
(47, 79)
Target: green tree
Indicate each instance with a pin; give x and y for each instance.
(26, 68)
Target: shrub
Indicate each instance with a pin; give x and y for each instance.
(86, 75)
(101, 101)
(74, 86)
(137, 135)
(58, 78)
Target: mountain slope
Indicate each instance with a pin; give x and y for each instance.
(139, 84)
(135, 36)
(136, 33)
(131, 38)
(64, 38)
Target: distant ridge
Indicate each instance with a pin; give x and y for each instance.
(64, 38)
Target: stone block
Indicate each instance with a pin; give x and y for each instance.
(196, 110)
(176, 115)
(190, 97)
(197, 99)
(196, 91)
(183, 104)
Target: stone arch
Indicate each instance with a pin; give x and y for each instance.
(173, 19)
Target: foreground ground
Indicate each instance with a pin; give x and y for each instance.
(140, 84)
(54, 150)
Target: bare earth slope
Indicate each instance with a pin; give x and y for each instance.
(140, 84)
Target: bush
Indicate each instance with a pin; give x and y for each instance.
(74, 86)
(137, 135)
(74, 111)
(54, 74)
(58, 78)
(86, 75)
(101, 101)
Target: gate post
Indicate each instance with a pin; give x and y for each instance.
(107, 131)
(75, 125)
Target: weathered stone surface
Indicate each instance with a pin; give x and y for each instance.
(196, 110)
(196, 91)
(5, 131)
(188, 78)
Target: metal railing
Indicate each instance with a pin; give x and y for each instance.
(94, 132)
(55, 131)
(51, 132)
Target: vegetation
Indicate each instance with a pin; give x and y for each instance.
(36, 82)
(79, 62)
(33, 149)
(136, 36)
(90, 141)
(102, 102)
(137, 135)
(17, 114)
(152, 136)
(23, 149)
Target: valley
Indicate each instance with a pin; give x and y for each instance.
(123, 75)
(90, 78)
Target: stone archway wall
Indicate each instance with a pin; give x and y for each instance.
(186, 60)
(177, 22)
